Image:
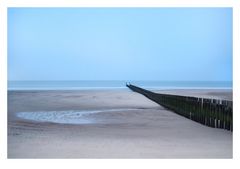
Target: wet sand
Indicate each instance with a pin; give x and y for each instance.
(146, 131)
(222, 94)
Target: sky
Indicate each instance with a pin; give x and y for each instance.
(167, 44)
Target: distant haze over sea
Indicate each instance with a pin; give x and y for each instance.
(120, 84)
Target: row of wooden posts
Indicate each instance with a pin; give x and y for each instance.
(210, 112)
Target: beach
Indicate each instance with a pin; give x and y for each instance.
(121, 124)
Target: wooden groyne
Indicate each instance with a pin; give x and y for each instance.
(210, 112)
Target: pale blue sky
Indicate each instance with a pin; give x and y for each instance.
(186, 44)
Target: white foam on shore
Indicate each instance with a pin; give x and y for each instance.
(64, 117)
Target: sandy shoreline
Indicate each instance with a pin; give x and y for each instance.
(146, 131)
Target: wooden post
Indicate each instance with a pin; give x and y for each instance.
(210, 112)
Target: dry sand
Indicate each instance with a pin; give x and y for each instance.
(147, 131)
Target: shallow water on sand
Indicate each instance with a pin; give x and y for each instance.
(65, 117)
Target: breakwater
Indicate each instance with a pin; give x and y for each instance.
(210, 112)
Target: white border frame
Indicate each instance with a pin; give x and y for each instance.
(214, 163)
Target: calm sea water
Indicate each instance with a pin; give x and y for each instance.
(86, 85)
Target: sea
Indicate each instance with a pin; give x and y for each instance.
(119, 84)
